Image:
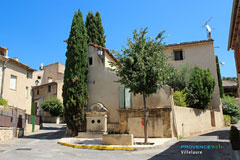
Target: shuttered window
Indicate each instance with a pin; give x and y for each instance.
(13, 82)
(125, 98)
(121, 94)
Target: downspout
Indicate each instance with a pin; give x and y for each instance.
(174, 114)
(3, 73)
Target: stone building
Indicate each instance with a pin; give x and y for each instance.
(16, 81)
(234, 37)
(48, 84)
(124, 111)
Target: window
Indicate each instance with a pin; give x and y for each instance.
(1, 53)
(178, 55)
(39, 77)
(90, 61)
(49, 88)
(38, 92)
(49, 79)
(29, 75)
(125, 98)
(26, 92)
(13, 82)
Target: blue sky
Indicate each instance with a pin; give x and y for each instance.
(34, 31)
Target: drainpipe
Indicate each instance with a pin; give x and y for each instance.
(3, 73)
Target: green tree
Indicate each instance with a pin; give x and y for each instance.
(201, 87)
(95, 29)
(75, 92)
(143, 67)
(54, 106)
(100, 31)
(180, 78)
(92, 31)
(179, 98)
(219, 78)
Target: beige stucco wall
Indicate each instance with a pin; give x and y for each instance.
(202, 55)
(103, 89)
(101, 85)
(17, 97)
(55, 71)
(192, 121)
(161, 99)
(37, 74)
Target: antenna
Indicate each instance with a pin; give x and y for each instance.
(208, 28)
(41, 66)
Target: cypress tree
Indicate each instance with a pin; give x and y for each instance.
(91, 28)
(219, 78)
(75, 92)
(95, 29)
(100, 31)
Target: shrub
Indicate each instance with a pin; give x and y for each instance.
(200, 89)
(4, 102)
(179, 98)
(54, 106)
(231, 108)
(114, 132)
(234, 138)
(227, 120)
(180, 78)
(234, 120)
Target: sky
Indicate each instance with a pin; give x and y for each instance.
(34, 31)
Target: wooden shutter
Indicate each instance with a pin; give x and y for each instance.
(121, 97)
(127, 98)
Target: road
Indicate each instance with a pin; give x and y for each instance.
(43, 145)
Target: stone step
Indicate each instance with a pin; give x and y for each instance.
(90, 134)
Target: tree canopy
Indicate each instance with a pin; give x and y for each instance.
(75, 91)
(143, 67)
(95, 29)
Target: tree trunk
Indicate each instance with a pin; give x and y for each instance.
(145, 119)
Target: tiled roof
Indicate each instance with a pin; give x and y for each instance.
(105, 49)
(228, 83)
(11, 60)
(189, 43)
(45, 84)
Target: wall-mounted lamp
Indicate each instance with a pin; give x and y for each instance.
(100, 53)
(36, 82)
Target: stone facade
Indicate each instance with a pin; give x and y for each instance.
(159, 122)
(50, 78)
(6, 133)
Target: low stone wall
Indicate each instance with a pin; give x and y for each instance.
(28, 129)
(159, 122)
(191, 121)
(6, 133)
(117, 139)
(48, 118)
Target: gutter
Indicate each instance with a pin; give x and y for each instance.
(232, 22)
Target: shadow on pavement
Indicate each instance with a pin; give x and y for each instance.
(217, 150)
(59, 133)
(222, 134)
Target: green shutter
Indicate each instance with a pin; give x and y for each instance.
(127, 98)
(121, 97)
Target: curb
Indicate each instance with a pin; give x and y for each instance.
(99, 147)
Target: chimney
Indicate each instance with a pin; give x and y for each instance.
(15, 58)
(4, 51)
